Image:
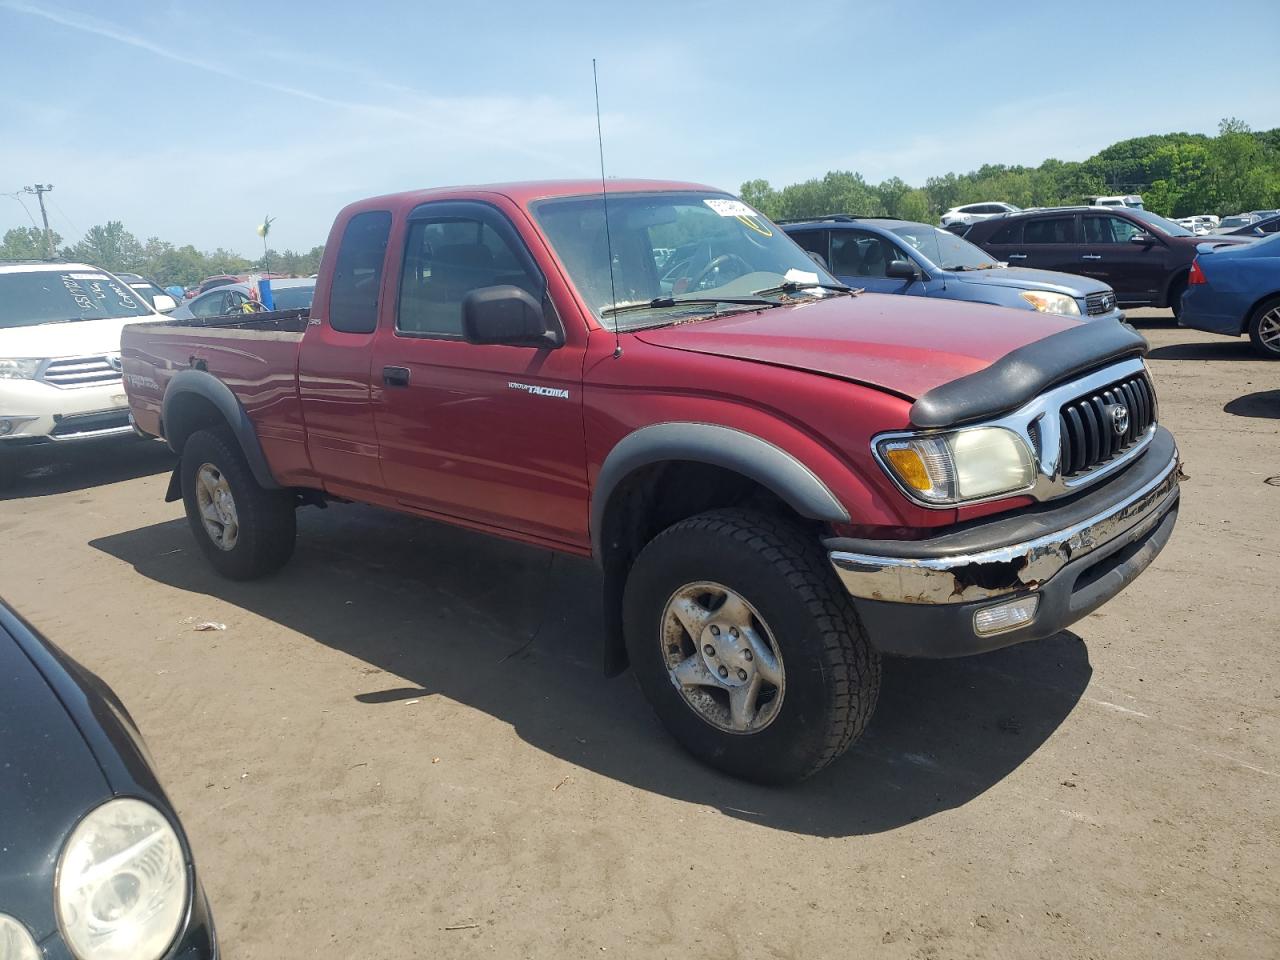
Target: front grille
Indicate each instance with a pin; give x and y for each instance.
(82, 371)
(1096, 304)
(80, 423)
(1089, 436)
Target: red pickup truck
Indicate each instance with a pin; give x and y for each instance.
(780, 478)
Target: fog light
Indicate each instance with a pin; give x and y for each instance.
(1005, 616)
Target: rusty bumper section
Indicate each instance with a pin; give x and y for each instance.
(1018, 568)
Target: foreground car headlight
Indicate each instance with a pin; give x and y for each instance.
(15, 941)
(121, 888)
(18, 369)
(1047, 302)
(948, 468)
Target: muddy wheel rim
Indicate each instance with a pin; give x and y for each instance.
(217, 507)
(1269, 330)
(722, 658)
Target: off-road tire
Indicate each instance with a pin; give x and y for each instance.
(832, 672)
(1255, 325)
(267, 523)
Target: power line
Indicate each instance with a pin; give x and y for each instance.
(57, 206)
(18, 197)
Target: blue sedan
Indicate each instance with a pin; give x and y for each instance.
(883, 255)
(1235, 290)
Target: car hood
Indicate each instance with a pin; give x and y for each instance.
(49, 779)
(906, 345)
(76, 339)
(1025, 278)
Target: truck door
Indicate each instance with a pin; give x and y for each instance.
(488, 434)
(334, 359)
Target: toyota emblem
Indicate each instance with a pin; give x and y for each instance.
(1119, 419)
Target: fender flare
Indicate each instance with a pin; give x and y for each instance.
(206, 385)
(744, 453)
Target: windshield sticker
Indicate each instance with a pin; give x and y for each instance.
(730, 208)
(800, 276)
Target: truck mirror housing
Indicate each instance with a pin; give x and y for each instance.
(507, 315)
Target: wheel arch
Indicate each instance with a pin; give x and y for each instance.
(1178, 276)
(664, 473)
(194, 400)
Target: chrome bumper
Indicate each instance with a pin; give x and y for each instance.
(1020, 567)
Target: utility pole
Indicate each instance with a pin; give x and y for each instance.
(40, 189)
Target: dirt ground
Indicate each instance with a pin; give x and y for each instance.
(402, 746)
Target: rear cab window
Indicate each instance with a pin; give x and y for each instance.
(357, 272)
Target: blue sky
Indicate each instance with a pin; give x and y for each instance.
(191, 120)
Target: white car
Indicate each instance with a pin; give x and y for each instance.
(1132, 200)
(60, 327)
(973, 212)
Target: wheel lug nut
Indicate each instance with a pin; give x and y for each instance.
(746, 655)
(723, 671)
(715, 631)
(709, 650)
(742, 674)
(733, 632)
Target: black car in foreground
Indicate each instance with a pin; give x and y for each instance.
(1142, 256)
(94, 864)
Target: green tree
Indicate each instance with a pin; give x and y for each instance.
(25, 243)
(109, 246)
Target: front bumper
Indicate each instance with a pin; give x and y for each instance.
(919, 597)
(35, 412)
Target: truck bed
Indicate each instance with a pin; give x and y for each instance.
(285, 321)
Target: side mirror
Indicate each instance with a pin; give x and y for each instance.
(507, 315)
(902, 270)
(1259, 232)
(1145, 239)
(164, 303)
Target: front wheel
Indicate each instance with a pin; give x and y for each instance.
(1264, 329)
(747, 647)
(243, 530)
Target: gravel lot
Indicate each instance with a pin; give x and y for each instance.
(402, 747)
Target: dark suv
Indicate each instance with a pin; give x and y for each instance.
(1143, 257)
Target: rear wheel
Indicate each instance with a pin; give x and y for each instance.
(243, 530)
(1176, 290)
(1264, 328)
(746, 646)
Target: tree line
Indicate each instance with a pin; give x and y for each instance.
(114, 248)
(1177, 174)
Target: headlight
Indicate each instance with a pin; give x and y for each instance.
(18, 369)
(948, 468)
(121, 888)
(1047, 302)
(15, 941)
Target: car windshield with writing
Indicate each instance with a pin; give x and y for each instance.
(676, 256)
(1160, 223)
(944, 249)
(30, 298)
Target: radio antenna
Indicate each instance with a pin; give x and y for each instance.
(604, 196)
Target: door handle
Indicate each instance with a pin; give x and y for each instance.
(1092, 256)
(1017, 256)
(395, 376)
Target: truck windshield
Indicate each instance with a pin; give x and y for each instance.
(33, 297)
(944, 249)
(673, 247)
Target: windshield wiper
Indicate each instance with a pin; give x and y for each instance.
(792, 286)
(659, 303)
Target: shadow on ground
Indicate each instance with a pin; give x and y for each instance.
(1224, 349)
(1265, 404)
(53, 468)
(513, 631)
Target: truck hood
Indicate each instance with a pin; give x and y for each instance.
(1025, 278)
(76, 339)
(905, 345)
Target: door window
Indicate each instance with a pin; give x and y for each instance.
(210, 305)
(814, 241)
(858, 254)
(357, 273)
(1109, 230)
(1051, 230)
(1009, 233)
(444, 260)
